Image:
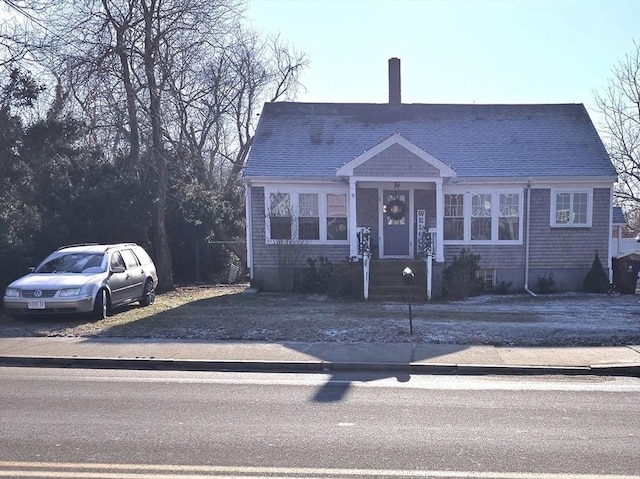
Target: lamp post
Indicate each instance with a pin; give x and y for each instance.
(408, 277)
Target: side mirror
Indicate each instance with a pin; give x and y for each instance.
(118, 269)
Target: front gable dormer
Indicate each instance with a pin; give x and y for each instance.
(396, 157)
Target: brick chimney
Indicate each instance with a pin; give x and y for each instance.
(394, 82)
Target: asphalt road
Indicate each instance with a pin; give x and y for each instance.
(142, 424)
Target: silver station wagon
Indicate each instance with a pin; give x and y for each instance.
(85, 278)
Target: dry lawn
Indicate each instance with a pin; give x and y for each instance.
(228, 313)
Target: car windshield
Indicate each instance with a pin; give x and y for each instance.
(73, 263)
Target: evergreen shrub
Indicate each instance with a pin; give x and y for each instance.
(460, 278)
(596, 280)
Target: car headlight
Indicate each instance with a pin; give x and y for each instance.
(12, 293)
(69, 292)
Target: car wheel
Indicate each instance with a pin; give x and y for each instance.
(101, 305)
(148, 294)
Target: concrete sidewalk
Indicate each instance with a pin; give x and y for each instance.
(317, 356)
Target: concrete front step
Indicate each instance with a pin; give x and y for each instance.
(386, 282)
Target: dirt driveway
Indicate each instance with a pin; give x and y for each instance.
(228, 313)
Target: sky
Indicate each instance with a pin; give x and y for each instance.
(544, 51)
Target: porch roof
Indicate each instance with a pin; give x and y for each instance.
(477, 141)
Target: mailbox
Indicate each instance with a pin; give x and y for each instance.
(408, 276)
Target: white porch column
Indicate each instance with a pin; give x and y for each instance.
(439, 222)
(353, 220)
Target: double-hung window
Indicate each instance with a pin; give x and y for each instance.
(306, 216)
(309, 221)
(336, 217)
(454, 217)
(571, 208)
(509, 217)
(481, 218)
(279, 216)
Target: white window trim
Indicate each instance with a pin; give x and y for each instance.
(552, 213)
(495, 212)
(293, 192)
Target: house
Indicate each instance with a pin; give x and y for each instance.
(526, 187)
(618, 245)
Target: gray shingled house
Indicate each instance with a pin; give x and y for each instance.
(526, 187)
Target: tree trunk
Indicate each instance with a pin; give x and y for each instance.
(161, 244)
(134, 135)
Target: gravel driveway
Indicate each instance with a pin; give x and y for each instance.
(228, 313)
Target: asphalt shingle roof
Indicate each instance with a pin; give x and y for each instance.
(314, 139)
(618, 216)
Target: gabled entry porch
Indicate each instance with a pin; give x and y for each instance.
(395, 189)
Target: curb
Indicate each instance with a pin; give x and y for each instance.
(151, 364)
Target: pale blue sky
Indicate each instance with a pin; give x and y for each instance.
(455, 51)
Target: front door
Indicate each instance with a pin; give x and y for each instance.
(395, 217)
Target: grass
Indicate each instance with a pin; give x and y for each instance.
(210, 313)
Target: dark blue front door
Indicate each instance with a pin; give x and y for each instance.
(395, 217)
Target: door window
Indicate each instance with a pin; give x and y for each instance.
(117, 261)
(395, 209)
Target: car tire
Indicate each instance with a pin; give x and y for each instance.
(148, 294)
(101, 305)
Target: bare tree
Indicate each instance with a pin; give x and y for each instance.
(14, 46)
(114, 55)
(620, 105)
(217, 117)
(122, 23)
(166, 86)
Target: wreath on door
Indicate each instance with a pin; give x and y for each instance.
(396, 209)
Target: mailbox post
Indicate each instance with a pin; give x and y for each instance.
(408, 277)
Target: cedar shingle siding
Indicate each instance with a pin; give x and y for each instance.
(567, 252)
(405, 164)
(568, 247)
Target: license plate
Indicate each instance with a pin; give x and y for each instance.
(36, 304)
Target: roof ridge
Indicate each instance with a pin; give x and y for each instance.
(302, 103)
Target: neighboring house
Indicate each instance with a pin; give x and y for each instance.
(528, 188)
(618, 244)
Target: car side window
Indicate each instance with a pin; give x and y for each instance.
(117, 261)
(129, 258)
(142, 256)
